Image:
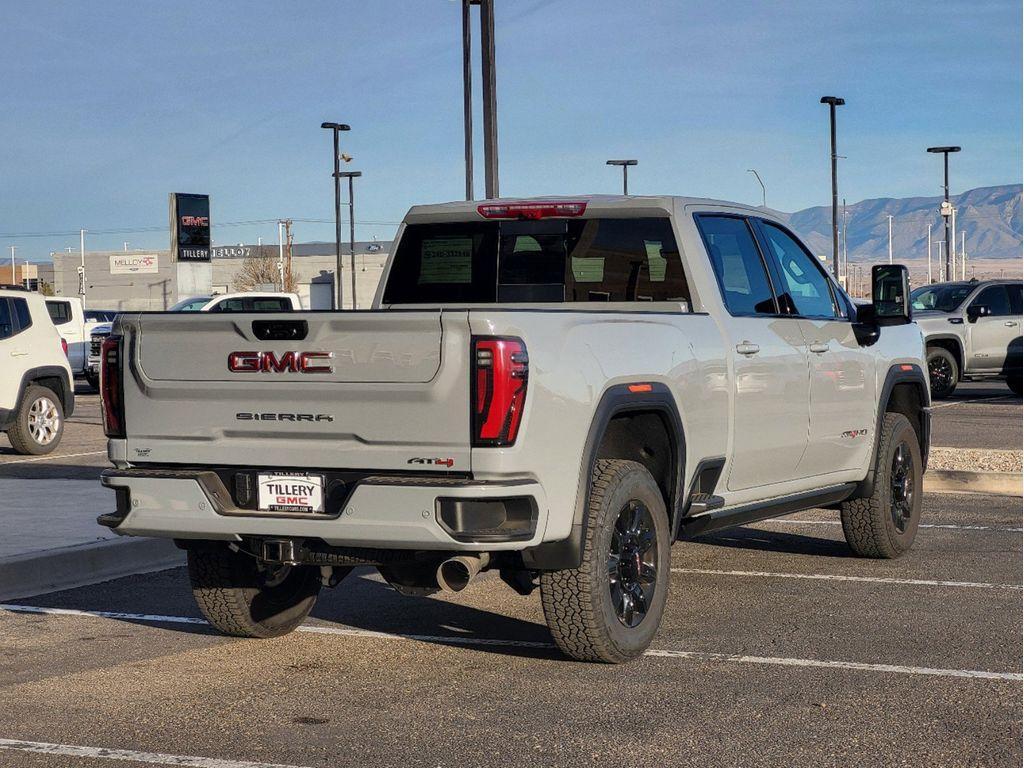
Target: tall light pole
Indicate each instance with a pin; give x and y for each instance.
(833, 102)
(890, 239)
(467, 94)
(490, 94)
(81, 269)
(764, 194)
(280, 251)
(336, 128)
(929, 254)
(625, 172)
(846, 256)
(351, 175)
(14, 270)
(944, 151)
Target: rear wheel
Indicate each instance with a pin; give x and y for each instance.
(609, 608)
(885, 524)
(39, 424)
(1013, 381)
(243, 597)
(92, 379)
(943, 372)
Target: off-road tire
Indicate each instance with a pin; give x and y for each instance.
(20, 433)
(233, 595)
(869, 523)
(945, 389)
(1014, 382)
(577, 602)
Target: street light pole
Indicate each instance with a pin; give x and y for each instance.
(350, 175)
(764, 194)
(14, 269)
(467, 95)
(625, 172)
(944, 151)
(336, 127)
(890, 239)
(81, 269)
(833, 102)
(490, 99)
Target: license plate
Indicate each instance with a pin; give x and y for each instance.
(290, 492)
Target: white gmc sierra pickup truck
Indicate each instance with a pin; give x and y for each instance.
(555, 389)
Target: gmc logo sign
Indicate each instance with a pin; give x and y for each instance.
(289, 362)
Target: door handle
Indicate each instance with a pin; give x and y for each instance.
(746, 348)
(1010, 323)
(18, 353)
(819, 348)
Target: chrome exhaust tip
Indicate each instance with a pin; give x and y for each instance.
(454, 574)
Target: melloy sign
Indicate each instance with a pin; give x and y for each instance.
(134, 264)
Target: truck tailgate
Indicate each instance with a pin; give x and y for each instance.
(381, 391)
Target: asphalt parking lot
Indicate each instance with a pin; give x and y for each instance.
(778, 648)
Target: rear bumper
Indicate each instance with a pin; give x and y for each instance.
(379, 512)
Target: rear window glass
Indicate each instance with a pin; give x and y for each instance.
(552, 260)
(60, 311)
(22, 313)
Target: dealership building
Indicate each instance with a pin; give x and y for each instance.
(147, 280)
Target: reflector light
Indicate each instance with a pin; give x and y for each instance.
(531, 210)
(906, 367)
(110, 387)
(500, 373)
(64, 345)
(640, 388)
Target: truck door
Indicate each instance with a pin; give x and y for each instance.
(992, 338)
(842, 372)
(769, 359)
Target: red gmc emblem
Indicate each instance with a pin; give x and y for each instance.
(289, 362)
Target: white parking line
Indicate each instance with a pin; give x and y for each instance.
(945, 526)
(51, 457)
(483, 641)
(102, 753)
(835, 577)
(1007, 398)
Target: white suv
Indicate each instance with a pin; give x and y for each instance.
(36, 385)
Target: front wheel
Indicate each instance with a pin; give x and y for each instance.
(243, 597)
(943, 372)
(609, 608)
(885, 523)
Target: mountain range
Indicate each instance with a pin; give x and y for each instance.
(989, 216)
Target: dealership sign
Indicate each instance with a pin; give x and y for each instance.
(190, 227)
(134, 264)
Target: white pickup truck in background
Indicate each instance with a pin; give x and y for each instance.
(74, 326)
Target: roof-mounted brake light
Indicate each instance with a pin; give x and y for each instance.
(531, 210)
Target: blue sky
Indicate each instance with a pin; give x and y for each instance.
(107, 107)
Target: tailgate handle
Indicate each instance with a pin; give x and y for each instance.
(280, 330)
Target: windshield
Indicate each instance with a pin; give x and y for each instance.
(193, 304)
(551, 260)
(942, 298)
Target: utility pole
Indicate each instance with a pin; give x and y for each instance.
(288, 237)
(953, 218)
(467, 95)
(890, 239)
(336, 128)
(963, 255)
(351, 175)
(929, 254)
(946, 212)
(14, 270)
(764, 194)
(833, 102)
(280, 251)
(846, 257)
(625, 172)
(490, 99)
(81, 269)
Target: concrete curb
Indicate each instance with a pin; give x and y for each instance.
(50, 570)
(955, 481)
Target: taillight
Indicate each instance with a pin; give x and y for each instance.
(110, 387)
(500, 368)
(64, 345)
(532, 209)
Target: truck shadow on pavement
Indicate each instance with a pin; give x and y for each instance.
(777, 541)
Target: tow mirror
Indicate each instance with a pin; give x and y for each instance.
(978, 310)
(890, 294)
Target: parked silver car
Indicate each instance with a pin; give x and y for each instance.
(972, 331)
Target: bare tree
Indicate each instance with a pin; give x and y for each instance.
(260, 269)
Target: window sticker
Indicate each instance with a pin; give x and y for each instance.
(446, 260)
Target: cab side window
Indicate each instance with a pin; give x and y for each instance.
(1016, 302)
(21, 313)
(6, 319)
(995, 298)
(806, 289)
(738, 266)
